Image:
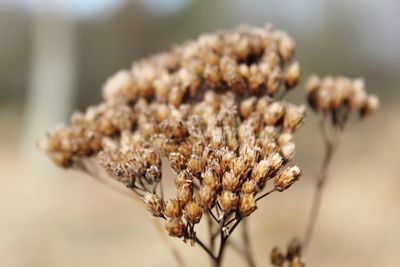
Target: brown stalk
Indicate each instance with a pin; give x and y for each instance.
(331, 144)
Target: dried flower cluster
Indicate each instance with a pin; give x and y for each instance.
(338, 96)
(212, 110)
(292, 257)
(209, 109)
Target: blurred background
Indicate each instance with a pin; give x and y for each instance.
(54, 57)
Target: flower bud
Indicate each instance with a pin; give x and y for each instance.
(228, 201)
(193, 212)
(287, 178)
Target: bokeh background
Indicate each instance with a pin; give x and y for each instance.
(54, 57)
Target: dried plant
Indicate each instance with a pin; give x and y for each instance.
(340, 102)
(212, 110)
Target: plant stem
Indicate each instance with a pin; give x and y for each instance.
(248, 253)
(330, 148)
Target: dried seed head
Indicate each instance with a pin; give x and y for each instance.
(292, 75)
(294, 249)
(274, 113)
(288, 177)
(154, 204)
(175, 227)
(296, 262)
(370, 106)
(247, 107)
(210, 179)
(196, 164)
(178, 161)
(184, 195)
(247, 204)
(207, 197)
(288, 151)
(277, 257)
(275, 162)
(294, 117)
(260, 172)
(230, 181)
(183, 179)
(249, 187)
(228, 201)
(173, 209)
(193, 212)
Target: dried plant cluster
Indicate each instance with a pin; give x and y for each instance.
(338, 97)
(291, 258)
(212, 109)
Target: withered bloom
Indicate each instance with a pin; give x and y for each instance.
(339, 97)
(209, 107)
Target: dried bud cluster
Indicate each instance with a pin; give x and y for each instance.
(339, 96)
(207, 106)
(293, 255)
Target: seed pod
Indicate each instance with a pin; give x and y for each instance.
(193, 212)
(183, 179)
(210, 179)
(292, 75)
(178, 161)
(154, 204)
(175, 227)
(153, 174)
(296, 262)
(294, 117)
(249, 187)
(230, 181)
(277, 257)
(173, 209)
(196, 164)
(207, 197)
(288, 151)
(275, 162)
(184, 194)
(259, 173)
(228, 201)
(287, 178)
(294, 249)
(247, 107)
(370, 106)
(274, 113)
(247, 204)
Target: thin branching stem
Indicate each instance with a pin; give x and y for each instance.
(331, 144)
